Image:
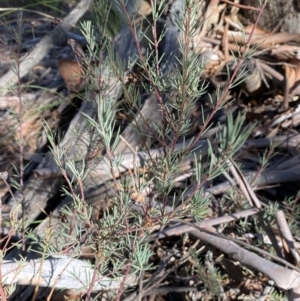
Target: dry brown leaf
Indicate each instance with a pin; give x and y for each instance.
(290, 75)
(71, 72)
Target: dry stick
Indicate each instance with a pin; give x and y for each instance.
(286, 234)
(93, 281)
(245, 187)
(141, 285)
(285, 103)
(2, 294)
(271, 71)
(265, 224)
(134, 161)
(9, 9)
(241, 6)
(179, 228)
(34, 295)
(18, 92)
(284, 117)
(123, 282)
(284, 278)
(43, 47)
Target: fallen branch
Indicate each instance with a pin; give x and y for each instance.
(284, 278)
(63, 273)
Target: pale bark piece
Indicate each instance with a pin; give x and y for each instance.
(61, 273)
